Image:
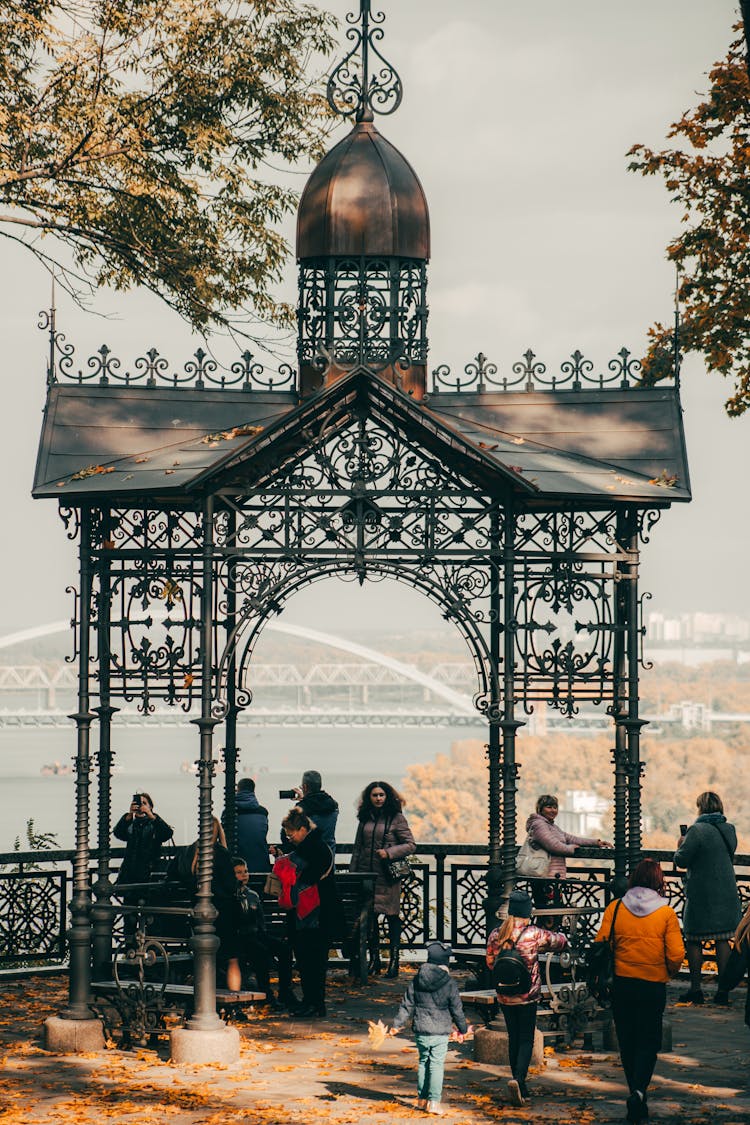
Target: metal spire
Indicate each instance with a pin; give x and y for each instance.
(352, 89)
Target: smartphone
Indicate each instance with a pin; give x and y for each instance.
(683, 829)
(136, 799)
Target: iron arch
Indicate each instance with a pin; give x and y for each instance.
(251, 619)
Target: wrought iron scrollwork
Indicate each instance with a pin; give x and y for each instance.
(150, 369)
(367, 311)
(530, 374)
(354, 87)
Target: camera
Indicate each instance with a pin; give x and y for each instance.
(287, 794)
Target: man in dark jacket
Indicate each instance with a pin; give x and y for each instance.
(252, 827)
(319, 806)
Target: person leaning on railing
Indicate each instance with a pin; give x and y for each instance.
(545, 834)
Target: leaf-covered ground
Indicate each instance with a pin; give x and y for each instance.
(296, 1073)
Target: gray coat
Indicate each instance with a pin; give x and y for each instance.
(393, 834)
(712, 905)
(432, 1000)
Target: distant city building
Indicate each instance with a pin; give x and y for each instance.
(722, 636)
(582, 813)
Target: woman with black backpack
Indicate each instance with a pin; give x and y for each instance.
(513, 960)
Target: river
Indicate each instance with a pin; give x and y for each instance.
(152, 758)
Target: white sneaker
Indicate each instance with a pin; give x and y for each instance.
(436, 1108)
(514, 1093)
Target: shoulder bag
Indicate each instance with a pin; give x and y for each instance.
(600, 964)
(532, 862)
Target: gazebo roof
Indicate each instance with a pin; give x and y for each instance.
(587, 447)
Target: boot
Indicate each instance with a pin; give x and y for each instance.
(394, 942)
(374, 965)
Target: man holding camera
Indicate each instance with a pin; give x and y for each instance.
(315, 803)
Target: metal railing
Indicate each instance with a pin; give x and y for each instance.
(444, 900)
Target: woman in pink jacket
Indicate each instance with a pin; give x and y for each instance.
(544, 833)
(519, 1007)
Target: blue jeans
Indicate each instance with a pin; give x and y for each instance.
(432, 1051)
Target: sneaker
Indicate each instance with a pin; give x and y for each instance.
(436, 1108)
(692, 996)
(421, 1103)
(514, 1093)
(722, 999)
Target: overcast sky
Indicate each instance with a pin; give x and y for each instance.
(517, 118)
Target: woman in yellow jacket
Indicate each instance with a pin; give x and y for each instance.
(648, 950)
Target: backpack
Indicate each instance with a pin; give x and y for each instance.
(510, 973)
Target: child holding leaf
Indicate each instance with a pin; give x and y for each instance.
(433, 1003)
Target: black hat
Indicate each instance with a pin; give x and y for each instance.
(519, 904)
(439, 953)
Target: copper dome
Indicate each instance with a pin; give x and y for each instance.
(363, 199)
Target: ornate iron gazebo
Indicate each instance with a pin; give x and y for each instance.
(202, 499)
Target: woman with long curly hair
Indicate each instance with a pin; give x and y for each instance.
(383, 835)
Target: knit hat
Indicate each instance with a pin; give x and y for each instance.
(439, 953)
(519, 904)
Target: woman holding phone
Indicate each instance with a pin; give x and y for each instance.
(143, 832)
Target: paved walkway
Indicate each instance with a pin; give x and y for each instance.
(298, 1073)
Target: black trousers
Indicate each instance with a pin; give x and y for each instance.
(258, 954)
(311, 951)
(520, 1020)
(638, 1007)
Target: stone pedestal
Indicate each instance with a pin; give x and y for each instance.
(491, 1045)
(188, 1047)
(72, 1037)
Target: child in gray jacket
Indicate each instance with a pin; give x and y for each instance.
(433, 1003)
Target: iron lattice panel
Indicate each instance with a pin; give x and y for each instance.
(362, 310)
(566, 573)
(154, 572)
(32, 916)
(468, 896)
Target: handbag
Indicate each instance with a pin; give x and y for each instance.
(272, 885)
(531, 862)
(600, 964)
(398, 870)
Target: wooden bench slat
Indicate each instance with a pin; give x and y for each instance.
(243, 997)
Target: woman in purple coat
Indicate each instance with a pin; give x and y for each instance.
(543, 833)
(382, 836)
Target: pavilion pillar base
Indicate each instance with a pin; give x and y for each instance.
(491, 1045)
(188, 1047)
(72, 1037)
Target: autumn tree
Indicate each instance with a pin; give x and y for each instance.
(708, 175)
(139, 141)
(447, 798)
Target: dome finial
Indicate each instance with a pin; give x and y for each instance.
(352, 90)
